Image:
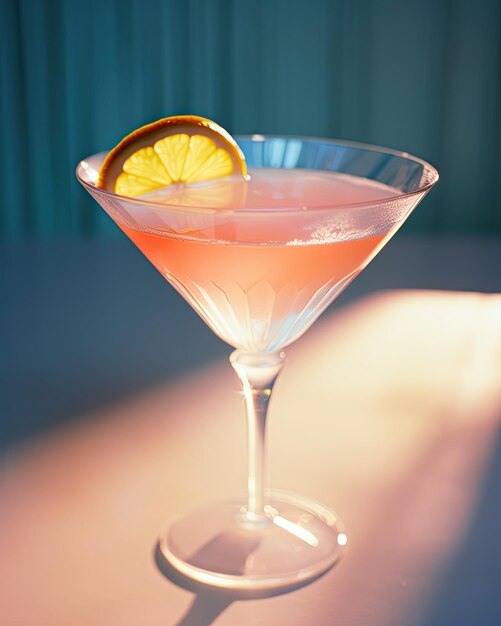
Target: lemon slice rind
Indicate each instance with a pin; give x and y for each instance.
(181, 149)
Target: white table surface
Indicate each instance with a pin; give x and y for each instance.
(388, 410)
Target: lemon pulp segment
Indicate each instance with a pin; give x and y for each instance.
(183, 149)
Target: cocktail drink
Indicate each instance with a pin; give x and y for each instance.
(261, 288)
(260, 257)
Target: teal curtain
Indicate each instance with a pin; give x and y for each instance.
(419, 75)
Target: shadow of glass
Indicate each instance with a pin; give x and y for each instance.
(209, 601)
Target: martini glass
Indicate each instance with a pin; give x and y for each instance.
(260, 270)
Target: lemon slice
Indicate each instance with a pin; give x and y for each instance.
(181, 149)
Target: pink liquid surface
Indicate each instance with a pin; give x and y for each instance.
(261, 278)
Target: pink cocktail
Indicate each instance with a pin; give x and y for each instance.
(261, 286)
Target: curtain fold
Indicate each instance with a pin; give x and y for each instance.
(421, 75)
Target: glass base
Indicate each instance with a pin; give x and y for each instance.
(297, 540)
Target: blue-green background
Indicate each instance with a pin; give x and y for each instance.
(419, 75)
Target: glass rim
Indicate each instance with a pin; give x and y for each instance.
(431, 179)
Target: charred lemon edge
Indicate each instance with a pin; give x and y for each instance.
(169, 122)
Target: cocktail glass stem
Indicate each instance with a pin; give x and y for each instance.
(257, 373)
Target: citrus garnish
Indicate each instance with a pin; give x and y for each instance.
(180, 149)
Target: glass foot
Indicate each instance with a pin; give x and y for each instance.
(294, 542)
